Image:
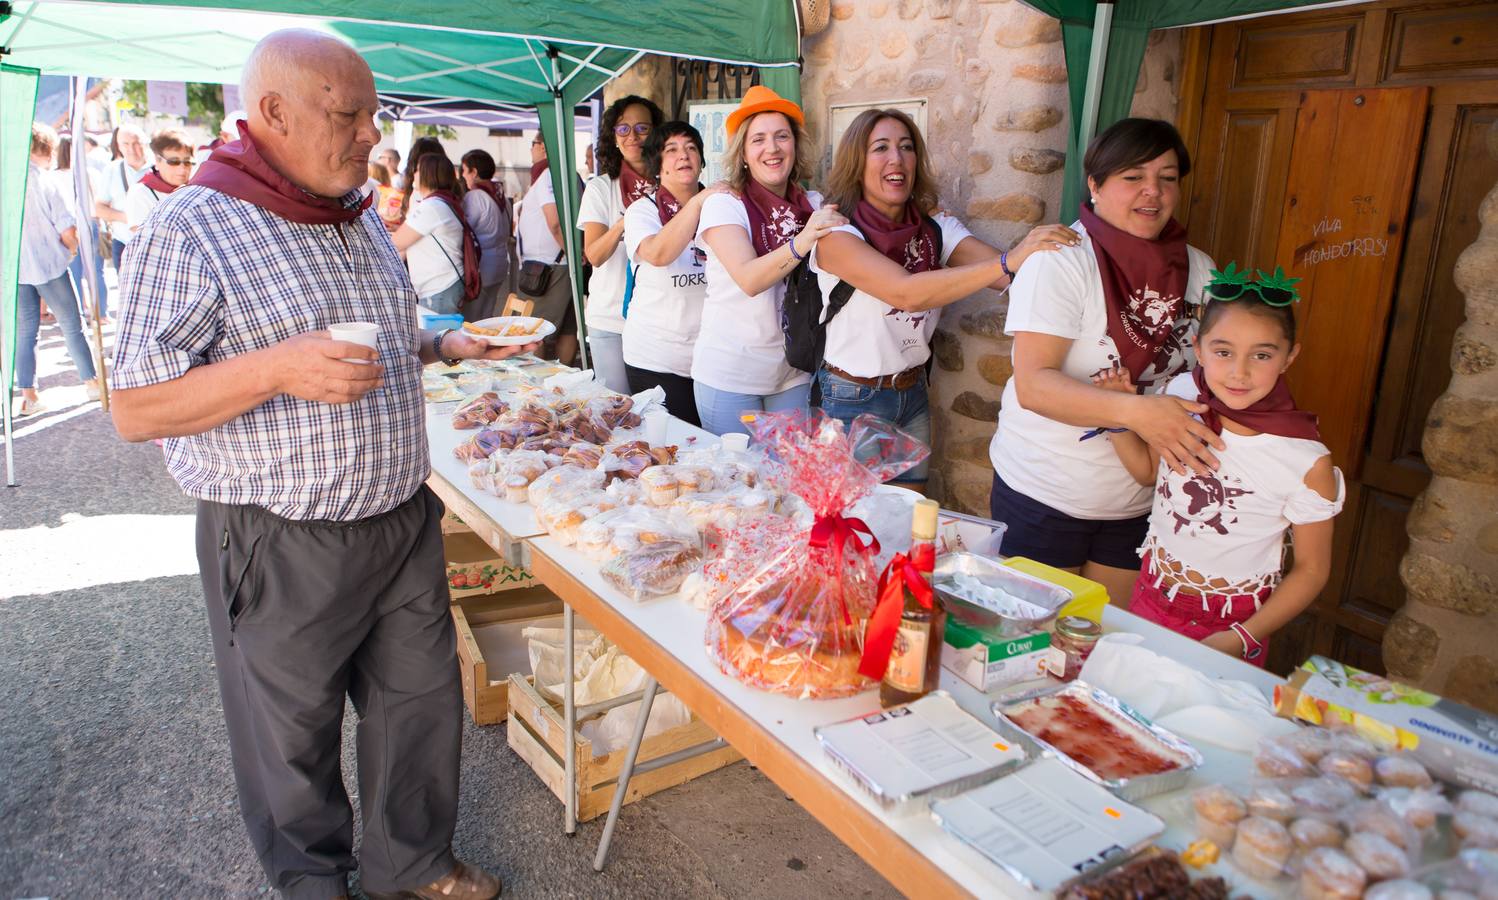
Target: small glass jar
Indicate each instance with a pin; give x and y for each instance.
(1071, 644)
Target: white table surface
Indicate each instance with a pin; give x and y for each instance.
(678, 628)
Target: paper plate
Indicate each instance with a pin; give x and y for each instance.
(534, 329)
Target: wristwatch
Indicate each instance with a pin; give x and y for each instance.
(1252, 649)
(437, 347)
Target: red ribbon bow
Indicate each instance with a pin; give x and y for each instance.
(913, 572)
(836, 531)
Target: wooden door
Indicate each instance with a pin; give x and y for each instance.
(1256, 96)
(1341, 232)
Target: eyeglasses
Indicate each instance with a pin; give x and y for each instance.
(537, 142)
(174, 160)
(1274, 289)
(641, 129)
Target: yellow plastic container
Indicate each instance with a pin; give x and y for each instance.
(1088, 597)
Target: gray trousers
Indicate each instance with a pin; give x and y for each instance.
(301, 615)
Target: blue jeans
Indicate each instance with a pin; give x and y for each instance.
(907, 410)
(80, 277)
(720, 410)
(447, 300)
(64, 305)
(606, 356)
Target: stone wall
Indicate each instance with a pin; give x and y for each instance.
(1443, 638)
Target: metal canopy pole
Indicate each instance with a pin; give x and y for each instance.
(568, 212)
(7, 375)
(1097, 60)
(85, 231)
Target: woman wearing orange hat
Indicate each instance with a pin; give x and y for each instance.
(901, 261)
(753, 239)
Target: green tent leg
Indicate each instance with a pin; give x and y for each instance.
(17, 106)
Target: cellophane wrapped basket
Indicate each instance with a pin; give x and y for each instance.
(796, 626)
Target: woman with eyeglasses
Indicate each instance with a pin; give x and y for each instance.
(172, 169)
(754, 238)
(1125, 296)
(620, 182)
(665, 306)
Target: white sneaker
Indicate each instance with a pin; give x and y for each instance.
(91, 390)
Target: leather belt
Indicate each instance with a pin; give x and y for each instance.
(900, 381)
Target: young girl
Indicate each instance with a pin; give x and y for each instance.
(1213, 558)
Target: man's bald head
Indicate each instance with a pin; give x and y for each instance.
(310, 103)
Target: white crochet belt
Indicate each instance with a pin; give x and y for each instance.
(1198, 586)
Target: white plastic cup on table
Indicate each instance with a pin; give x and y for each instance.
(735, 442)
(656, 421)
(365, 333)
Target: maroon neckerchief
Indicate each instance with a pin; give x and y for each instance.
(538, 168)
(238, 169)
(774, 220)
(911, 243)
(666, 203)
(155, 182)
(1273, 413)
(492, 190)
(632, 185)
(1140, 325)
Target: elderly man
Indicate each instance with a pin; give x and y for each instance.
(319, 545)
(119, 177)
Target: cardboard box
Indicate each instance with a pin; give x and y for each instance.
(1457, 743)
(474, 568)
(987, 661)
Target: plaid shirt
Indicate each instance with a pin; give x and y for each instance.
(209, 277)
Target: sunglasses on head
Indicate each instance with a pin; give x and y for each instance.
(641, 129)
(175, 160)
(1274, 289)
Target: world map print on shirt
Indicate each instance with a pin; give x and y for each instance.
(1198, 503)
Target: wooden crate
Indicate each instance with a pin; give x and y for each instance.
(536, 733)
(485, 692)
(474, 568)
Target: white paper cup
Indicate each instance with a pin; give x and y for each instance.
(655, 427)
(734, 442)
(365, 333)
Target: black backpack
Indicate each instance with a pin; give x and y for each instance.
(801, 319)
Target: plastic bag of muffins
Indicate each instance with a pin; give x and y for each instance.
(1333, 816)
(795, 626)
(508, 474)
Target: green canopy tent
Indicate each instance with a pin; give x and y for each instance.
(1104, 42)
(544, 54)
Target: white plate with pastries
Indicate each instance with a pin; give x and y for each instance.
(509, 331)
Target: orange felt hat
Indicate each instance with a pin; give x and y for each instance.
(760, 99)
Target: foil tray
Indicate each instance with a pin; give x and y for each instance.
(1039, 600)
(1149, 735)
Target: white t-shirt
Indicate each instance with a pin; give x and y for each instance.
(665, 310)
(118, 179)
(1060, 293)
(536, 241)
(740, 347)
(139, 202)
(1231, 524)
(488, 225)
(869, 338)
(431, 271)
(602, 205)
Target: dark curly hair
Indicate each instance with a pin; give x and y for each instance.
(655, 145)
(606, 154)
